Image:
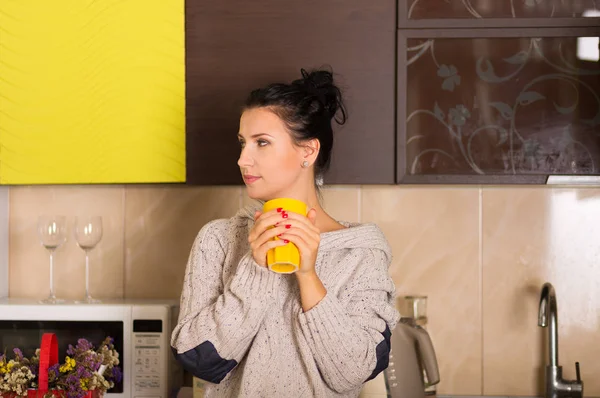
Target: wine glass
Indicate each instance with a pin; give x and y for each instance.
(52, 231)
(88, 232)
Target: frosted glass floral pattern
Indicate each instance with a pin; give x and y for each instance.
(502, 106)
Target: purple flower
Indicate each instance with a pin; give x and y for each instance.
(71, 351)
(1, 357)
(73, 385)
(117, 375)
(75, 392)
(83, 373)
(53, 372)
(72, 379)
(35, 368)
(89, 360)
(96, 363)
(18, 354)
(84, 345)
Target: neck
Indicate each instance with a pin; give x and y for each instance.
(324, 222)
(306, 191)
(308, 196)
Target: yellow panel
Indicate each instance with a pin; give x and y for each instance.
(92, 91)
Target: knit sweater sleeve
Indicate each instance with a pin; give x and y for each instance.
(349, 334)
(218, 320)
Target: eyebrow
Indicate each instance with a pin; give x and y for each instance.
(255, 135)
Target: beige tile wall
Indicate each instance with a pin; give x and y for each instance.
(434, 238)
(29, 261)
(531, 236)
(480, 254)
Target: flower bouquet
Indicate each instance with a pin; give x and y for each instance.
(86, 372)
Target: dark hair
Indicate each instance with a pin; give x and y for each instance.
(306, 106)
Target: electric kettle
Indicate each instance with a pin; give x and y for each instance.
(413, 363)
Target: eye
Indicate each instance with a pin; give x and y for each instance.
(242, 143)
(262, 143)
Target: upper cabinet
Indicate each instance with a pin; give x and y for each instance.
(92, 92)
(504, 104)
(236, 46)
(454, 91)
(494, 9)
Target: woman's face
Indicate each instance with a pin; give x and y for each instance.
(270, 162)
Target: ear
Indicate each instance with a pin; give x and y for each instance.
(310, 150)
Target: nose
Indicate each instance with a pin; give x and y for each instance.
(245, 159)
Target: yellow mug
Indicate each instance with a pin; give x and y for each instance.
(284, 259)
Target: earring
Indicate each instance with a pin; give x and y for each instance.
(305, 164)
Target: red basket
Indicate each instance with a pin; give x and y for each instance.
(49, 357)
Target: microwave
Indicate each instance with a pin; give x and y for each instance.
(141, 330)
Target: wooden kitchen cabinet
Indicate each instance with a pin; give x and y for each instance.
(235, 46)
(497, 106)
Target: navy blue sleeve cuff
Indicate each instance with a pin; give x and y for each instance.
(383, 354)
(204, 362)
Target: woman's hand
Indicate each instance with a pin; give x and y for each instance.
(303, 233)
(261, 236)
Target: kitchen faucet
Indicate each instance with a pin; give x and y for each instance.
(556, 387)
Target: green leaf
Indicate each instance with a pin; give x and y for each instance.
(565, 110)
(485, 71)
(518, 59)
(529, 97)
(504, 109)
(438, 112)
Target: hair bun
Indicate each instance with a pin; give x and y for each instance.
(319, 79)
(320, 83)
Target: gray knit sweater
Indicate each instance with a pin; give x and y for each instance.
(241, 327)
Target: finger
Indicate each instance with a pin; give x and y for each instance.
(312, 216)
(311, 240)
(297, 240)
(251, 235)
(300, 221)
(264, 221)
(305, 225)
(262, 251)
(273, 211)
(269, 234)
(271, 214)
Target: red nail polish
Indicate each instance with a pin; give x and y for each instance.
(286, 241)
(279, 209)
(284, 215)
(288, 226)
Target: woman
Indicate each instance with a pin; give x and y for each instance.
(320, 332)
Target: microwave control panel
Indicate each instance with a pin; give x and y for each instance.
(148, 368)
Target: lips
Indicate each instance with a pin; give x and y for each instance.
(249, 179)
